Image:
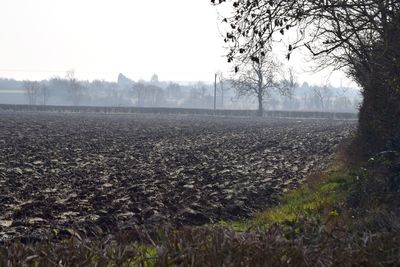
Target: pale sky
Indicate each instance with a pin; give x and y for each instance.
(177, 39)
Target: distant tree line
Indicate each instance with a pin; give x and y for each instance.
(69, 90)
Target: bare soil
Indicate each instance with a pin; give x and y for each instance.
(100, 174)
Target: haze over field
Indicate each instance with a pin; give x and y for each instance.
(100, 39)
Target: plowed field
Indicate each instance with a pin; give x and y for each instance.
(103, 173)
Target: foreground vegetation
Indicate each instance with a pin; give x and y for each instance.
(343, 217)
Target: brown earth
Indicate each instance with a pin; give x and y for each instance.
(100, 174)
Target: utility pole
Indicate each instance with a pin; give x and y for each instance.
(221, 82)
(215, 92)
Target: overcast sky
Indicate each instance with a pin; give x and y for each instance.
(177, 39)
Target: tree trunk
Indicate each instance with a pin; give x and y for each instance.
(260, 111)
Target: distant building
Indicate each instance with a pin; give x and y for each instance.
(124, 81)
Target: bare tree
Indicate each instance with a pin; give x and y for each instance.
(258, 78)
(116, 94)
(290, 83)
(342, 101)
(220, 78)
(173, 91)
(322, 95)
(319, 97)
(154, 95)
(360, 36)
(138, 90)
(148, 95)
(36, 92)
(44, 93)
(338, 31)
(74, 87)
(32, 90)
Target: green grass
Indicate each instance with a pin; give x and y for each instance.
(309, 201)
